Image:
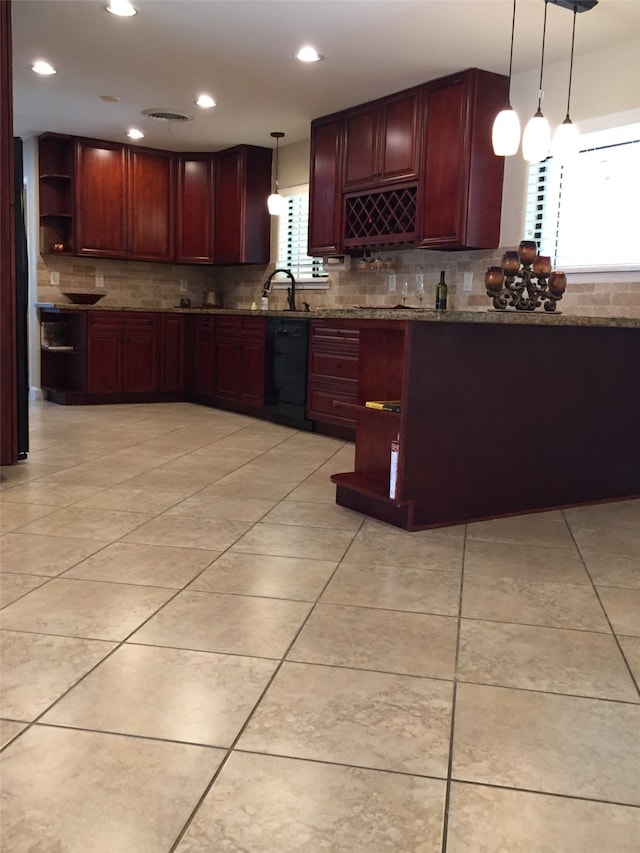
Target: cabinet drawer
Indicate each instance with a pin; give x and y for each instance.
(328, 335)
(339, 365)
(123, 320)
(321, 407)
(240, 328)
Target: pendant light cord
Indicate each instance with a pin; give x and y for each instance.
(276, 170)
(513, 29)
(544, 32)
(573, 38)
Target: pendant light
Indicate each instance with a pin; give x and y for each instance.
(276, 203)
(537, 134)
(566, 139)
(505, 135)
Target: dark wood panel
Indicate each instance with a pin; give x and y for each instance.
(400, 138)
(227, 367)
(172, 353)
(195, 206)
(101, 199)
(140, 370)
(104, 361)
(151, 204)
(325, 186)
(360, 160)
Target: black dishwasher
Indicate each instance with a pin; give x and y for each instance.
(286, 371)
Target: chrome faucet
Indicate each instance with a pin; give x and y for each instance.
(291, 291)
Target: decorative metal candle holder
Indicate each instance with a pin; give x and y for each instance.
(525, 281)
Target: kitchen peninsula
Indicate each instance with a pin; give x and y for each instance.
(500, 413)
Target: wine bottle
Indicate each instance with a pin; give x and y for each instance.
(441, 293)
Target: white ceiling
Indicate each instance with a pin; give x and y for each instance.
(242, 53)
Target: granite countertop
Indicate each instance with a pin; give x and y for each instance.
(511, 317)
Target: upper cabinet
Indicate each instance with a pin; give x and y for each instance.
(101, 221)
(460, 193)
(325, 186)
(105, 199)
(418, 169)
(243, 226)
(151, 204)
(124, 201)
(382, 141)
(194, 208)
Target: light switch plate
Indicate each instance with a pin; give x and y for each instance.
(392, 283)
(99, 281)
(183, 285)
(467, 281)
(54, 277)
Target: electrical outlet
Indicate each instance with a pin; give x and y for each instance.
(183, 285)
(392, 283)
(54, 278)
(99, 281)
(419, 279)
(467, 282)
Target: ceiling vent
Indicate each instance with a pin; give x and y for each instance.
(166, 115)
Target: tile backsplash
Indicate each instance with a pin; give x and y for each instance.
(153, 285)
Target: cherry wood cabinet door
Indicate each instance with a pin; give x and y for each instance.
(151, 204)
(140, 361)
(202, 362)
(227, 364)
(360, 161)
(399, 137)
(251, 386)
(101, 199)
(382, 141)
(460, 193)
(325, 186)
(243, 226)
(172, 352)
(195, 208)
(105, 351)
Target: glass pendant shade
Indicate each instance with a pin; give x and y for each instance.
(566, 141)
(536, 139)
(505, 135)
(277, 204)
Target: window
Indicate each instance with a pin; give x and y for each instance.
(585, 213)
(292, 240)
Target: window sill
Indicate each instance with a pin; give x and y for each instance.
(310, 284)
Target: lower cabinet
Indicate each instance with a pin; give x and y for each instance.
(172, 353)
(333, 374)
(239, 356)
(122, 352)
(201, 357)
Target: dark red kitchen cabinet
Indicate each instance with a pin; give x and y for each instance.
(151, 204)
(101, 210)
(460, 192)
(382, 141)
(239, 348)
(201, 372)
(325, 186)
(195, 208)
(172, 352)
(122, 352)
(243, 184)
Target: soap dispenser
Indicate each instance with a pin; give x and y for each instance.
(264, 302)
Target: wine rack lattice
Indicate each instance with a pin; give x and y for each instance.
(381, 217)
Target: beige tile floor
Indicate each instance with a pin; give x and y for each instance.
(202, 652)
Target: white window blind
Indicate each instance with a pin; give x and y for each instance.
(585, 214)
(292, 240)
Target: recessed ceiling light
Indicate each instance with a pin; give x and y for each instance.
(308, 54)
(110, 99)
(42, 67)
(205, 101)
(134, 133)
(122, 8)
